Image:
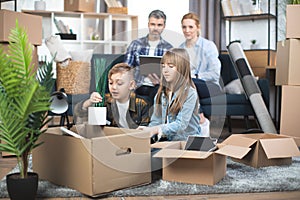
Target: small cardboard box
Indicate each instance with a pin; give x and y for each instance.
(290, 111)
(292, 23)
(196, 167)
(117, 10)
(79, 5)
(32, 24)
(266, 149)
(118, 159)
(287, 64)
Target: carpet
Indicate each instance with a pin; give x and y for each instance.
(239, 179)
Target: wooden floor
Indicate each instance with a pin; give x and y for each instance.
(8, 163)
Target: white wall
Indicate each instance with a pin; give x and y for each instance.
(174, 11)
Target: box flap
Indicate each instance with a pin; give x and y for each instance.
(239, 140)
(233, 151)
(177, 153)
(280, 148)
(161, 145)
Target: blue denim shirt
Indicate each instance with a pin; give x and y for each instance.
(141, 46)
(185, 123)
(208, 65)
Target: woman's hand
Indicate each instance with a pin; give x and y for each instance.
(94, 98)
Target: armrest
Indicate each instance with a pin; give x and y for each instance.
(264, 86)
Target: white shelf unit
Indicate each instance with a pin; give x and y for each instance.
(115, 31)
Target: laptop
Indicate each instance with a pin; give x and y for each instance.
(198, 143)
(149, 65)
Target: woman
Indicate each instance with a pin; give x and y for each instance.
(175, 115)
(205, 64)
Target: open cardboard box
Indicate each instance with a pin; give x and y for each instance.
(266, 149)
(115, 159)
(197, 167)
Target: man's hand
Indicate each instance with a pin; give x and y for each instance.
(154, 79)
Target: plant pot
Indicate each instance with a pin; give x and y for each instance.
(97, 115)
(22, 188)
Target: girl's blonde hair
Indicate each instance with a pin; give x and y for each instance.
(178, 57)
(194, 17)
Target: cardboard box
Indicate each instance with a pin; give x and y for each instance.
(32, 24)
(116, 159)
(259, 58)
(117, 10)
(290, 111)
(79, 5)
(292, 23)
(266, 149)
(194, 167)
(288, 59)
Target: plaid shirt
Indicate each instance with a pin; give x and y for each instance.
(137, 114)
(141, 46)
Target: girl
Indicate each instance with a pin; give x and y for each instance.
(176, 105)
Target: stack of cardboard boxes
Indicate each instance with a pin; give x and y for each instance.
(33, 25)
(288, 74)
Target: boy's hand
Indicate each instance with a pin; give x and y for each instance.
(94, 98)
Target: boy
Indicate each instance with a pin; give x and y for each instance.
(124, 108)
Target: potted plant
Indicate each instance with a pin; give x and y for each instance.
(295, 2)
(97, 113)
(253, 44)
(24, 104)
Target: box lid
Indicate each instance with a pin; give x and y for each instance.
(280, 148)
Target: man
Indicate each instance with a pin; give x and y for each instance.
(153, 45)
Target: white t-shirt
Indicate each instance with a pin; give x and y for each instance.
(123, 108)
(193, 59)
(153, 45)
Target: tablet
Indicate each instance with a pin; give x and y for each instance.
(198, 143)
(149, 65)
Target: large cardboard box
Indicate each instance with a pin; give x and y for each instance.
(259, 58)
(79, 5)
(290, 111)
(115, 159)
(266, 149)
(196, 167)
(292, 23)
(32, 24)
(287, 65)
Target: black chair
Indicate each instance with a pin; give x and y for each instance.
(232, 104)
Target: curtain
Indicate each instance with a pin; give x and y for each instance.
(209, 12)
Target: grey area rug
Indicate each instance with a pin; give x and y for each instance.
(239, 179)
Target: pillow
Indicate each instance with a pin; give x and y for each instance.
(234, 87)
(84, 55)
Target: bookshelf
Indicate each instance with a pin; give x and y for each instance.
(259, 25)
(98, 31)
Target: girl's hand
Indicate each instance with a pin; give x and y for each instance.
(153, 130)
